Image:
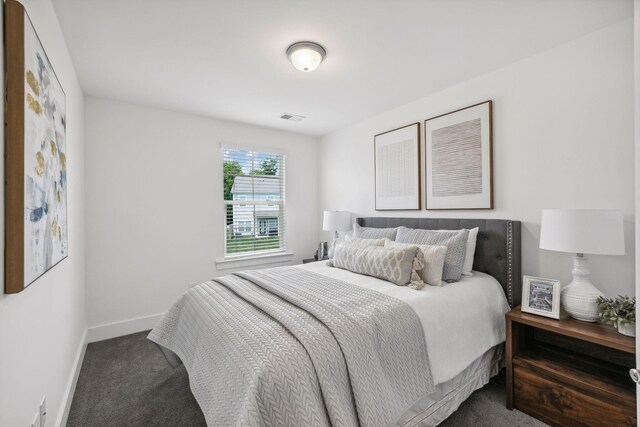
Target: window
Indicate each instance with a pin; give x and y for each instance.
(254, 190)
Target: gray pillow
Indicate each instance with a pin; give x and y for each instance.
(374, 233)
(392, 264)
(455, 241)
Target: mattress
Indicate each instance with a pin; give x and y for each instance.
(461, 320)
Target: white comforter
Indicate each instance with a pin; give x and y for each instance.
(461, 320)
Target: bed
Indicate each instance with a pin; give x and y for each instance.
(315, 345)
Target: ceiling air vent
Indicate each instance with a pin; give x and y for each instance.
(292, 117)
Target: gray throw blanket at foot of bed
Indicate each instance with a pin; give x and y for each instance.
(287, 347)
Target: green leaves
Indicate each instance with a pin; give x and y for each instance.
(269, 166)
(621, 309)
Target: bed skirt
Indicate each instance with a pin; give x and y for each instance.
(435, 407)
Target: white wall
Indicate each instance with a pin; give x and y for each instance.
(563, 137)
(154, 214)
(41, 328)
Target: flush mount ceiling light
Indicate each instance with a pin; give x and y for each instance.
(306, 56)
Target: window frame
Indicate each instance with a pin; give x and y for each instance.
(265, 255)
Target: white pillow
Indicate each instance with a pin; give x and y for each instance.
(431, 272)
(467, 266)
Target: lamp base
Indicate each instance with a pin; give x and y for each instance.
(579, 298)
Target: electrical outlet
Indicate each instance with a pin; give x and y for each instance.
(36, 420)
(43, 412)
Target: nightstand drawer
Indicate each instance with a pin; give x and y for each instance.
(557, 404)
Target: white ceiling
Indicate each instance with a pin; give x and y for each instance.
(227, 58)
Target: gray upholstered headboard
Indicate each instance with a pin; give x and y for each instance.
(498, 249)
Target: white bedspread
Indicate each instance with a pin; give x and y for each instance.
(461, 320)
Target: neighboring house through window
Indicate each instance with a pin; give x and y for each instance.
(254, 185)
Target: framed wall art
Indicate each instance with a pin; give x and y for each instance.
(36, 164)
(459, 159)
(397, 169)
(541, 296)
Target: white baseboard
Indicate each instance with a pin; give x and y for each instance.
(125, 327)
(67, 398)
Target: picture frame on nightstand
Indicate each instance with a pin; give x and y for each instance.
(541, 296)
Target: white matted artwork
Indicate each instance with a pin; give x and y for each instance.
(541, 296)
(458, 159)
(397, 169)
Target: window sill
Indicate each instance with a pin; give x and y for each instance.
(252, 260)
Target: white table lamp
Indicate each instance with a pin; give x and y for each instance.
(580, 231)
(336, 221)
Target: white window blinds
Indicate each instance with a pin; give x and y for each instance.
(254, 201)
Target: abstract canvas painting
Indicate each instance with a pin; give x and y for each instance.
(37, 236)
(459, 159)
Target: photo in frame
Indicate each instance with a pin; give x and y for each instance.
(459, 159)
(36, 235)
(541, 296)
(398, 184)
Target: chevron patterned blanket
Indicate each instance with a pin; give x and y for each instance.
(288, 347)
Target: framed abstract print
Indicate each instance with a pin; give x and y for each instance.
(397, 169)
(459, 159)
(36, 163)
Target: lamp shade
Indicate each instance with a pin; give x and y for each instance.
(336, 221)
(588, 231)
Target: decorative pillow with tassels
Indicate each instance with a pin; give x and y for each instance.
(433, 261)
(399, 266)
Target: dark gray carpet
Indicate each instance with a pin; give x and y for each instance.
(126, 381)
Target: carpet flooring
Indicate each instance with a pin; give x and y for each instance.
(126, 382)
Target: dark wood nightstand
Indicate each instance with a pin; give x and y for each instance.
(308, 260)
(568, 372)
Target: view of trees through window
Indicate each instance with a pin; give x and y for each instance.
(254, 198)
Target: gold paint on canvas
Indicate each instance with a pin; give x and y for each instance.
(39, 164)
(54, 227)
(33, 83)
(54, 148)
(63, 162)
(34, 105)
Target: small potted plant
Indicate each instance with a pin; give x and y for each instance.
(620, 312)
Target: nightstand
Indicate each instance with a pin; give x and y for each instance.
(568, 372)
(308, 260)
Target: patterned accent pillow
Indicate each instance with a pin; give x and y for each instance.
(374, 233)
(455, 241)
(355, 241)
(393, 265)
(342, 236)
(470, 252)
(358, 241)
(433, 263)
